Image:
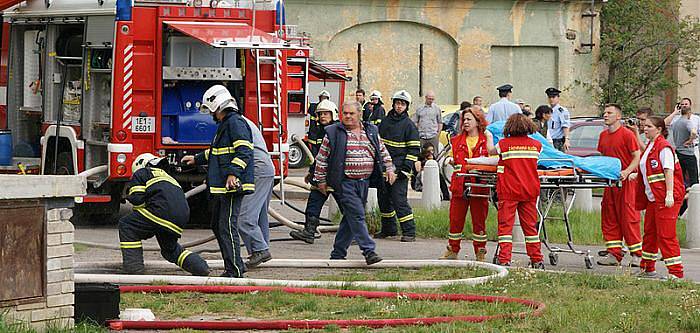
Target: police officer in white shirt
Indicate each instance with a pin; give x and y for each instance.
(504, 108)
(561, 121)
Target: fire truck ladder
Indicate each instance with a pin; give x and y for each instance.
(262, 57)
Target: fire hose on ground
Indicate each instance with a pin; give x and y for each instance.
(537, 308)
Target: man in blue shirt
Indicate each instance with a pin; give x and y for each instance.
(561, 121)
(504, 108)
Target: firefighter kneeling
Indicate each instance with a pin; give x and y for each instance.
(161, 210)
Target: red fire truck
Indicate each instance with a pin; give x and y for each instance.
(91, 84)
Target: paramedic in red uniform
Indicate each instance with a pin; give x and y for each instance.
(518, 187)
(469, 143)
(619, 218)
(660, 191)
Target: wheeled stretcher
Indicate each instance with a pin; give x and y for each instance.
(557, 188)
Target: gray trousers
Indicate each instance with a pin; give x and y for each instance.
(253, 225)
(434, 140)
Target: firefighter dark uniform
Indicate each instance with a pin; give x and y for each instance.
(400, 137)
(316, 199)
(518, 187)
(161, 210)
(374, 113)
(231, 153)
(660, 220)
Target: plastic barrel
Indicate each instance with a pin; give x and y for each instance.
(5, 147)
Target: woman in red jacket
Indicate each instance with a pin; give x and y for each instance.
(661, 193)
(518, 187)
(470, 143)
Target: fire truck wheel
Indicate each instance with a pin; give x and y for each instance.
(297, 157)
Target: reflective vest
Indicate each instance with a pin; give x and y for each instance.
(656, 178)
(517, 177)
(460, 155)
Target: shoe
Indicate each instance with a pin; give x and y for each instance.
(647, 275)
(258, 257)
(481, 255)
(603, 253)
(609, 260)
(382, 235)
(333, 258)
(372, 258)
(634, 261)
(448, 255)
(408, 239)
(672, 277)
(505, 264)
(308, 234)
(537, 265)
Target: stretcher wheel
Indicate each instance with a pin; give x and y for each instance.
(589, 262)
(553, 258)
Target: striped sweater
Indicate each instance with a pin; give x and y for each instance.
(359, 157)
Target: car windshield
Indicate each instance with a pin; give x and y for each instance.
(586, 136)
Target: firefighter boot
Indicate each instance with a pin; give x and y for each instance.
(308, 234)
(132, 261)
(195, 265)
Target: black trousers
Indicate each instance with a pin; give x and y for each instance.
(134, 228)
(689, 166)
(393, 204)
(224, 223)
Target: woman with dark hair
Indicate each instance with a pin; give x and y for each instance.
(469, 143)
(518, 187)
(542, 116)
(661, 193)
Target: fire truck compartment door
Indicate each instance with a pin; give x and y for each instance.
(229, 35)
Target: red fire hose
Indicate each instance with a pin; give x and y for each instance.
(537, 307)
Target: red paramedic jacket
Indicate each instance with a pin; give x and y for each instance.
(517, 178)
(657, 179)
(460, 155)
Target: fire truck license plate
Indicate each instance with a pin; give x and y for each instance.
(143, 124)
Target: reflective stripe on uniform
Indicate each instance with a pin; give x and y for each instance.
(223, 190)
(505, 239)
(656, 178)
(137, 188)
(635, 247)
(501, 169)
(405, 218)
(520, 154)
(160, 221)
(388, 215)
(532, 239)
(206, 154)
(613, 244)
(479, 238)
(183, 255)
(673, 261)
(412, 158)
(130, 245)
(239, 162)
(244, 143)
(457, 236)
(649, 256)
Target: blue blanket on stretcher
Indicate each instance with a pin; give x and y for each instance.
(599, 166)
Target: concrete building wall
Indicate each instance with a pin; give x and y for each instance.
(692, 88)
(468, 47)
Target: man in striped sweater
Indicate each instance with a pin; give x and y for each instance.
(352, 158)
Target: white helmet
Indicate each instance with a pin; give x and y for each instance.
(143, 159)
(218, 98)
(327, 106)
(375, 93)
(324, 93)
(402, 95)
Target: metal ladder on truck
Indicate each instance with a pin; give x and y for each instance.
(262, 58)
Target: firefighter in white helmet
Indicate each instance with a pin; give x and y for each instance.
(373, 112)
(161, 210)
(324, 95)
(400, 136)
(327, 113)
(229, 175)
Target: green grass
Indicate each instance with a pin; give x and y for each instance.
(585, 227)
(401, 274)
(575, 303)
(7, 325)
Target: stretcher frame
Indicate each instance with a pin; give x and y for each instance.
(558, 189)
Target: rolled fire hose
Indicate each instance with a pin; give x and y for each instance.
(303, 146)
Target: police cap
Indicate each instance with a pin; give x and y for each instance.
(552, 92)
(505, 87)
